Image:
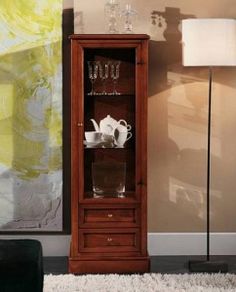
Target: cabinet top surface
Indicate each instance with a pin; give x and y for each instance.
(109, 36)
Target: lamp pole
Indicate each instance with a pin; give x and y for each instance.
(209, 163)
(208, 266)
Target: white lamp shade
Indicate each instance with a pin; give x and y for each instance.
(209, 42)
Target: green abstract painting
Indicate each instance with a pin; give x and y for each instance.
(31, 115)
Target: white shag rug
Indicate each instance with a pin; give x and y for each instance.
(141, 283)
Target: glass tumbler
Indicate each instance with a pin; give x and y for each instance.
(108, 179)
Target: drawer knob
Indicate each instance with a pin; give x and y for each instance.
(109, 239)
(110, 215)
(80, 124)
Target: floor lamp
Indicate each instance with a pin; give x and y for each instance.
(209, 42)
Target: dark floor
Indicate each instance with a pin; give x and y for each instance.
(159, 264)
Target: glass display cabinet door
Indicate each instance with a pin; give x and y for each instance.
(109, 122)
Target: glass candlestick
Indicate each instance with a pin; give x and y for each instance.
(128, 14)
(112, 13)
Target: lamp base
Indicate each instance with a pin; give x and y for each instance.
(208, 267)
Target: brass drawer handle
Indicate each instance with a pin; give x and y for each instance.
(109, 215)
(109, 239)
(80, 124)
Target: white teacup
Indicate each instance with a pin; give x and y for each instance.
(125, 126)
(121, 136)
(93, 136)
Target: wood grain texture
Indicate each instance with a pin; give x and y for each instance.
(109, 234)
(109, 37)
(102, 217)
(109, 240)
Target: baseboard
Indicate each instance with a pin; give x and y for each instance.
(158, 243)
(53, 245)
(191, 244)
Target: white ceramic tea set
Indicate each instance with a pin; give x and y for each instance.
(109, 133)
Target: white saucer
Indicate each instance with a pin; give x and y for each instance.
(101, 144)
(92, 144)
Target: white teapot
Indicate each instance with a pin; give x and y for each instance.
(108, 125)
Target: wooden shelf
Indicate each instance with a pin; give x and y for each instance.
(130, 196)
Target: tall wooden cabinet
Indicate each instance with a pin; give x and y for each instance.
(108, 175)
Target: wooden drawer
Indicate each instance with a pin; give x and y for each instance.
(108, 240)
(108, 217)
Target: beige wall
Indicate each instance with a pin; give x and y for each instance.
(68, 4)
(177, 123)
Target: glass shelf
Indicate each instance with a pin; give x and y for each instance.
(102, 94)
(90, 146)
(94, 147)
(110, 94)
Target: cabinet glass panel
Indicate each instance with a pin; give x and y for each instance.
(109, 122)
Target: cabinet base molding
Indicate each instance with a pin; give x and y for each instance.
(109, 266)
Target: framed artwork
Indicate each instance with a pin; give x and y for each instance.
(31, 115)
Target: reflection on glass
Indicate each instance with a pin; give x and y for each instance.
(108, 179)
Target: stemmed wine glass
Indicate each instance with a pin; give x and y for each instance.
(115, 74)
(93, 74)
(104, 74)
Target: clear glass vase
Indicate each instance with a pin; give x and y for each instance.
(109, 179)
(128, 15)
(112, 14)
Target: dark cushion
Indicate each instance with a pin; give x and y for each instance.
(21, 266)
